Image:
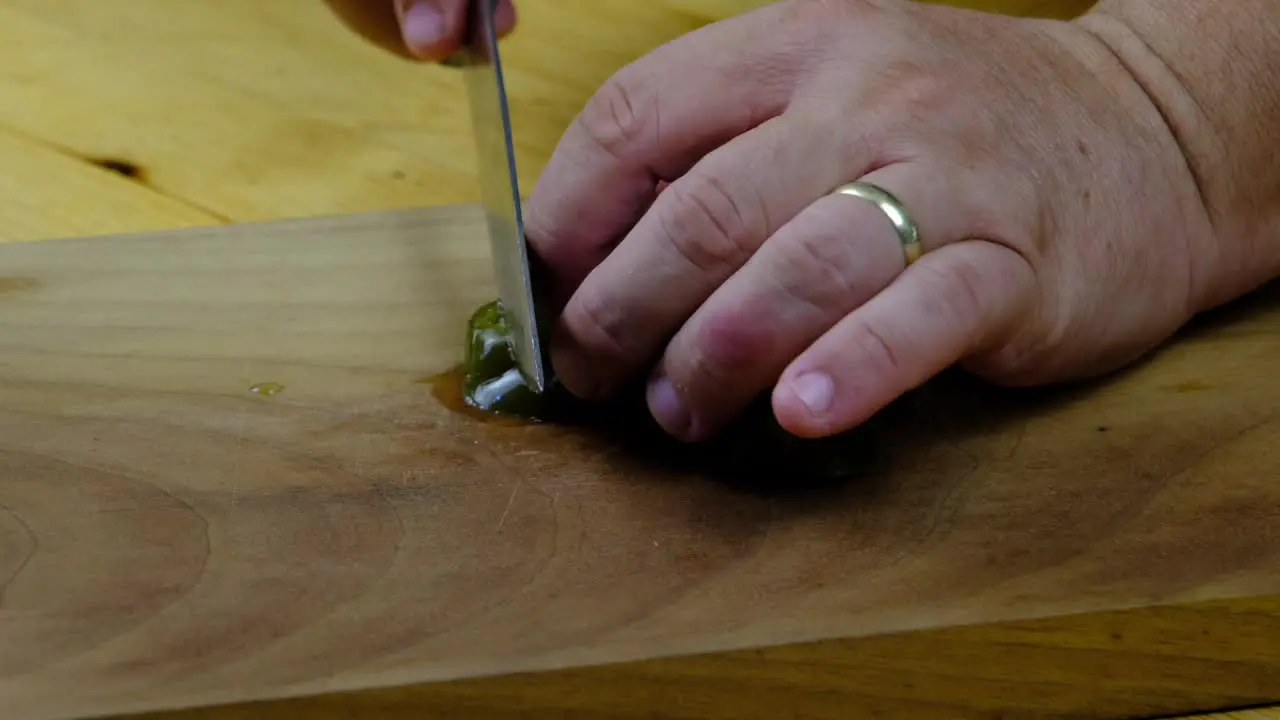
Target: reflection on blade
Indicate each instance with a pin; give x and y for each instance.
(499, 188)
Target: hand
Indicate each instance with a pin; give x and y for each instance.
(420, 29)
(1063, 233)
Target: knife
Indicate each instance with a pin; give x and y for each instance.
(500, 189)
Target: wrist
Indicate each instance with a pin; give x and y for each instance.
(1208, 69)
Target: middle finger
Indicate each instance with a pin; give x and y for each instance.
(697, 234)
(833, 257)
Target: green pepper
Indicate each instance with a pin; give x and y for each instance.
(491, 380)
(754, 449)
(488, 342)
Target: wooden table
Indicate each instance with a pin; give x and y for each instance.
(118, 117)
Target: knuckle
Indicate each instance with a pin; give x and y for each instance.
(815, 269)
(924, 96)
(822, 15)
(726, 346)
(596, 329)
(907, 90)
(956, 292)
(706, 226)
(618, 115)
(883, 360)
(912, 87)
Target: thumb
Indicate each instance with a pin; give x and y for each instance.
(431, 30)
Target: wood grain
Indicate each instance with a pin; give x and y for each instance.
(242, 110)
(173, 539)
(1147, 663)
(1110, 665)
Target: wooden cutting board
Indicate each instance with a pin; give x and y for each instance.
(226, 474)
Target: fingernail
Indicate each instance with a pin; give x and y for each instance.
(667, 407)
(422, 26)
(815, 390)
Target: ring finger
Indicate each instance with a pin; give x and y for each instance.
(697, 234)
(828, 260)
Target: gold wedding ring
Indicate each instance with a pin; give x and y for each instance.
(908, 232)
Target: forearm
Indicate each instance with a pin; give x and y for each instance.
(1213, 70)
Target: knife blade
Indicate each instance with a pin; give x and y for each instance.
(500, 189)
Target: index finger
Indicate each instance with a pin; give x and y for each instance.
(650, 123)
